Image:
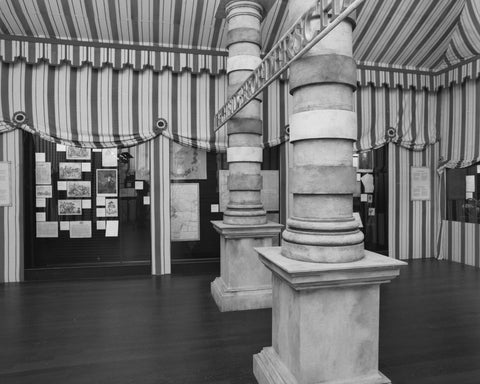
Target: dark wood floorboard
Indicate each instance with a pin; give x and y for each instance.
(168, 330)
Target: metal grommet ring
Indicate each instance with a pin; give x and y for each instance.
(19, 117)
(391, 132)
(161, 124)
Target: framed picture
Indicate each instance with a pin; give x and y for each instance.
(107, 183)
(80, 189)
(365, 162)
(69, 207)
(43, 173)
(111, 207)
(76, 153)
(44, 191)
(187, 163)
(70, 171)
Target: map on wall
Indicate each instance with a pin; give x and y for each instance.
(187, 163)
(184, 212)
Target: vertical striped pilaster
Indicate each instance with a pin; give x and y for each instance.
(11, 218)
(160, 205)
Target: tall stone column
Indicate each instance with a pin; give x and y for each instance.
(325, 285)
(244, 282)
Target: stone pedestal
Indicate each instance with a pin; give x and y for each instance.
(325, 320)
(244, 282)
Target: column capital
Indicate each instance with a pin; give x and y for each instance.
(265, 6)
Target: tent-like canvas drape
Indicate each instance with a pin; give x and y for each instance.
(459, 124)
(407, 117)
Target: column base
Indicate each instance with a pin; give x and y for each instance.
(244, 282)
(325, 320)
(230, 299)
(269, 369)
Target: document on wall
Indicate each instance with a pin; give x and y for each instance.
(420, 183)
(146, 200)
(109, 157)
(111, 229)
(61, 148)
(100, 200)
(41, 202)
(469, 195)
(64, 225)
(101, 212)
(470, 183)
(39, 157)
(101, 225)
(41, 216)
(86, 204)
(47, 229)
(43, 173)
(364, 198)
(61, 185)
(80, 229)
(138, 185)
(5, 184)
(86, 167)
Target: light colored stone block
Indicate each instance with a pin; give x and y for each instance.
(244, 282)
(325, 320)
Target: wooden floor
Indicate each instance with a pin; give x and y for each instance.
(167, 330)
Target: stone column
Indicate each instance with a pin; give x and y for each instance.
(244, 282)
(325, 285)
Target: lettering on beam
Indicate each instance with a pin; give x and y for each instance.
(312, 26)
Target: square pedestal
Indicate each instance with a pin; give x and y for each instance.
(325, 320)
(244, 282)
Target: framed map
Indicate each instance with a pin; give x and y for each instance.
(185, 211)
(187, 163)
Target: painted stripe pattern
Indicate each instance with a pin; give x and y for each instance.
(413, 226)
(11, 218)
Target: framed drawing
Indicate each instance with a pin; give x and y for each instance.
(187, 163)
(81, 189)
(76, 153)
(184, 212)
(5, 183)
(365, 162)
(107, 183)
(111, 207)
(44, 191)
(69, 207)
(70, 171)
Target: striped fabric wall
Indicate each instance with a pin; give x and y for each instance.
(460, 243)
(11, 218)
(460, 148)
(108, 108)
(413, 225)
(459, 124)
(160, 205)
(412, 113)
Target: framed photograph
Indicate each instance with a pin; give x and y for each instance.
(44, 191)
(76, 153)
(107, 184)
(111, 207)
(70, 171)
(69, 207)
(365, 162)
(81, 189)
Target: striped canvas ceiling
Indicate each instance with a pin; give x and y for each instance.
(426, 34)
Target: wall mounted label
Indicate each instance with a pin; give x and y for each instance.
(420, 183)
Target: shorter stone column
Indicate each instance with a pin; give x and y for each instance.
(325, 320)
(244, 282)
